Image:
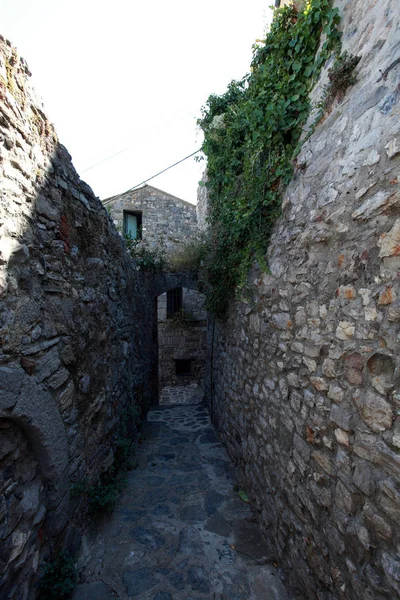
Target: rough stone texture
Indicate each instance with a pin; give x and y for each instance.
(304, 375)
(22, 511)
(179, 530)
(78, 341)
(166, 219)
(183, 336)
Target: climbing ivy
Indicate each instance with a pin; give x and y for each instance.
(251, 134)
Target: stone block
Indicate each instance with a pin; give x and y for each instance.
(345, 330)
(374, 410)
(324, 461)
(342, 416)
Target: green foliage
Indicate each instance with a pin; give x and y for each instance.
(147, 258)
(189, 256)
(102, 496)
(341, 76)
(251, 133)
(59, 579)
(180, 318)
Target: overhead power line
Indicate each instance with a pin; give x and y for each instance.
(105, 160)
(156, 175)
(100, 162)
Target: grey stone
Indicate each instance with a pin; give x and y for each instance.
(94, 590)
(342, 416)
(139, 582)
(198, 580)
(374, 410)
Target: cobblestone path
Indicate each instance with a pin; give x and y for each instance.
(179, 531)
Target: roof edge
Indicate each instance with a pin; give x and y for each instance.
(108, 200)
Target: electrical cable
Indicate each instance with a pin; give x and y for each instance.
(192, 112)
(153, 177)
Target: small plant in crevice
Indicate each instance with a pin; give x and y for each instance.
(102, 496)
(59, 578)
(179, 318)
(341, 76)
(189, 256)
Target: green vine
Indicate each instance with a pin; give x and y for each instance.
(250, 136)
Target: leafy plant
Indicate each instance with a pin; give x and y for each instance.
(189, 256)
(180, 318)
(250, 135)
(102, 496)
(59, 579)
(340, 76)
(146, 257)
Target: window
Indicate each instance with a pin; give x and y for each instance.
(174, 301)
(133, 225)
(183, 366)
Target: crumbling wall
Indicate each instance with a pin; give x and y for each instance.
(304, 377)
(78, 340)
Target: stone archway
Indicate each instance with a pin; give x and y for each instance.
(28, 404)
(23, 509)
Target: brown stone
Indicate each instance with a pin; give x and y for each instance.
(387, 296)
(28, 365)
(324, 461)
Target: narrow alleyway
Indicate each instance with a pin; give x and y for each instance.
(180, 530)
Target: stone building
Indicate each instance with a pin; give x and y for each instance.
(163, 220)
(156, 216)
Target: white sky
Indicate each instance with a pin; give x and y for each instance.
(132, 76)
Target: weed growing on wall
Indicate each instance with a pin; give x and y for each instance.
(341, 76)
(59, 578)
(250, 136)
(102, 495)
(189, 256)
(146, 257)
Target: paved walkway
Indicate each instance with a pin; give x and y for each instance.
(179, 531)
(183, 394)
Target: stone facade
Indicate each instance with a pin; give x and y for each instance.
(78, 340)
(166, 220)
(182, 337)
(303, 378)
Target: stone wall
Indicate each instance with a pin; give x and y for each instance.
(184, 336)
(78, 339)
(166, 220)
(304, 377)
